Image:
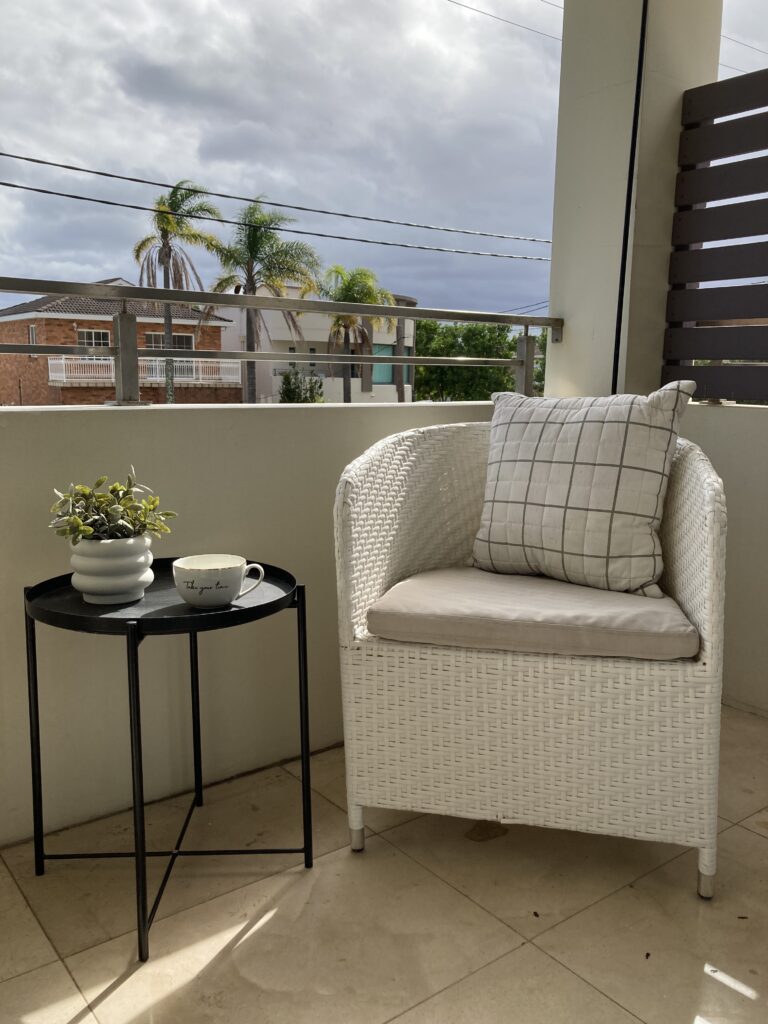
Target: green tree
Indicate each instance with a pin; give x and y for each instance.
(347, 329)
(465, 383)
(174, 226)
(300, 389)
(257, 257)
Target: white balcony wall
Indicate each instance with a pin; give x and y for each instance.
(258, 481)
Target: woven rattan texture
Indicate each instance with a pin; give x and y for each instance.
(616, 746)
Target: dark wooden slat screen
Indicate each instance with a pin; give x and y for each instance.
(741, 302)
(722, 99)
(725, 181)
(723, 139)
(721, 322)
(748, 382)
(749, 343)
(718, 223)
(723, 263)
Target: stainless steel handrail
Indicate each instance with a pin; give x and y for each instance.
(126, 352)
(36, 286)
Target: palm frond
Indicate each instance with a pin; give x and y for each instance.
(226, 282)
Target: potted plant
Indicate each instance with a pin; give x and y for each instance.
(110, 533)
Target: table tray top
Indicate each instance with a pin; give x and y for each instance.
(161, 610)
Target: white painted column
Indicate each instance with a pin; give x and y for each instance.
(597, 90)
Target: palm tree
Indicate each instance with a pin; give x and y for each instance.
(163, 249)
(259, 258)
(347, 329)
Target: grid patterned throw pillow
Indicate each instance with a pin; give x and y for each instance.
(575, 487)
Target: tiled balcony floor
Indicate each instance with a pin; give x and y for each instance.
(440, 921)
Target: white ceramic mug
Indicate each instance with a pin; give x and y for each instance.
(213, 581)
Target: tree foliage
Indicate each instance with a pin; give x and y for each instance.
(348, 333)
(257, 257)
(466, 383)
(297, 388)
(161, 254)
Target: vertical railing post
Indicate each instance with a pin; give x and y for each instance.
(126, 358)
(526, 351)
(366, 370)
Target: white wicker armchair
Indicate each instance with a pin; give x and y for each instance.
(617, 746)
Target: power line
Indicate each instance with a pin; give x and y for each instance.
(732, 68)
(527, 306)
(550, 3)
(731, 39)
(291, 231)
(506, 21)
(250, 199)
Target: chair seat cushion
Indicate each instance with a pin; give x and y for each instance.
(468, 607)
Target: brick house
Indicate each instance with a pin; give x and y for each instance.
(89, 380)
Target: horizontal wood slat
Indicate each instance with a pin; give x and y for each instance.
(726, 325)
(724, 263)
(716, 343)
(725, 181)
(745, 383)
(745, 302)
(722, 99)
(719, 223)
(724, 139)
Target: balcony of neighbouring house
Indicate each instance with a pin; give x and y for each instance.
(95, 370)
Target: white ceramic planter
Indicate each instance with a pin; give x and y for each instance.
(112, 571)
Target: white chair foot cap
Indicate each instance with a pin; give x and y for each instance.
(706, 886)
(357, 839)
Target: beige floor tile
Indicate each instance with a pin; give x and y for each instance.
(260, 810)
(44, 996)
(529, 877)
(758, 822)
(329, 779)
(355, 939)
(524, 987)
(743, 764)
(82, 903)
(23, 944)
(668, 956)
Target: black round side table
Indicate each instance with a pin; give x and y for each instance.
(160, 612)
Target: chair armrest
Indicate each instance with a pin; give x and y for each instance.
(693, 531)
(410, 503)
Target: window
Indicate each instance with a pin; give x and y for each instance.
(312, 352)
(32, 337)
(93, 338)
(382, 373)
(157, 340)
(292, 348)
(183, 369)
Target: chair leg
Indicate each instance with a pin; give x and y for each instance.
(707, 867)
(356, 828)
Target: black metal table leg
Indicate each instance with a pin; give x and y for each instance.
(140, 842)
(306, 791)
(34, 742)
(196, 746)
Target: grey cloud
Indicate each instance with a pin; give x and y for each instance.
(413, 111)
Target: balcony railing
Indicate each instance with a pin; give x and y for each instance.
(101, 370)
(127, 362)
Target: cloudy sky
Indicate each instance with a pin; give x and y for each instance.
(416, 110)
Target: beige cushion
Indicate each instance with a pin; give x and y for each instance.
(466, 607)
(575, 487)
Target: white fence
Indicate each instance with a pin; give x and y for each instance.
(101, 370)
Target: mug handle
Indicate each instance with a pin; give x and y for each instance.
(248, 568)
